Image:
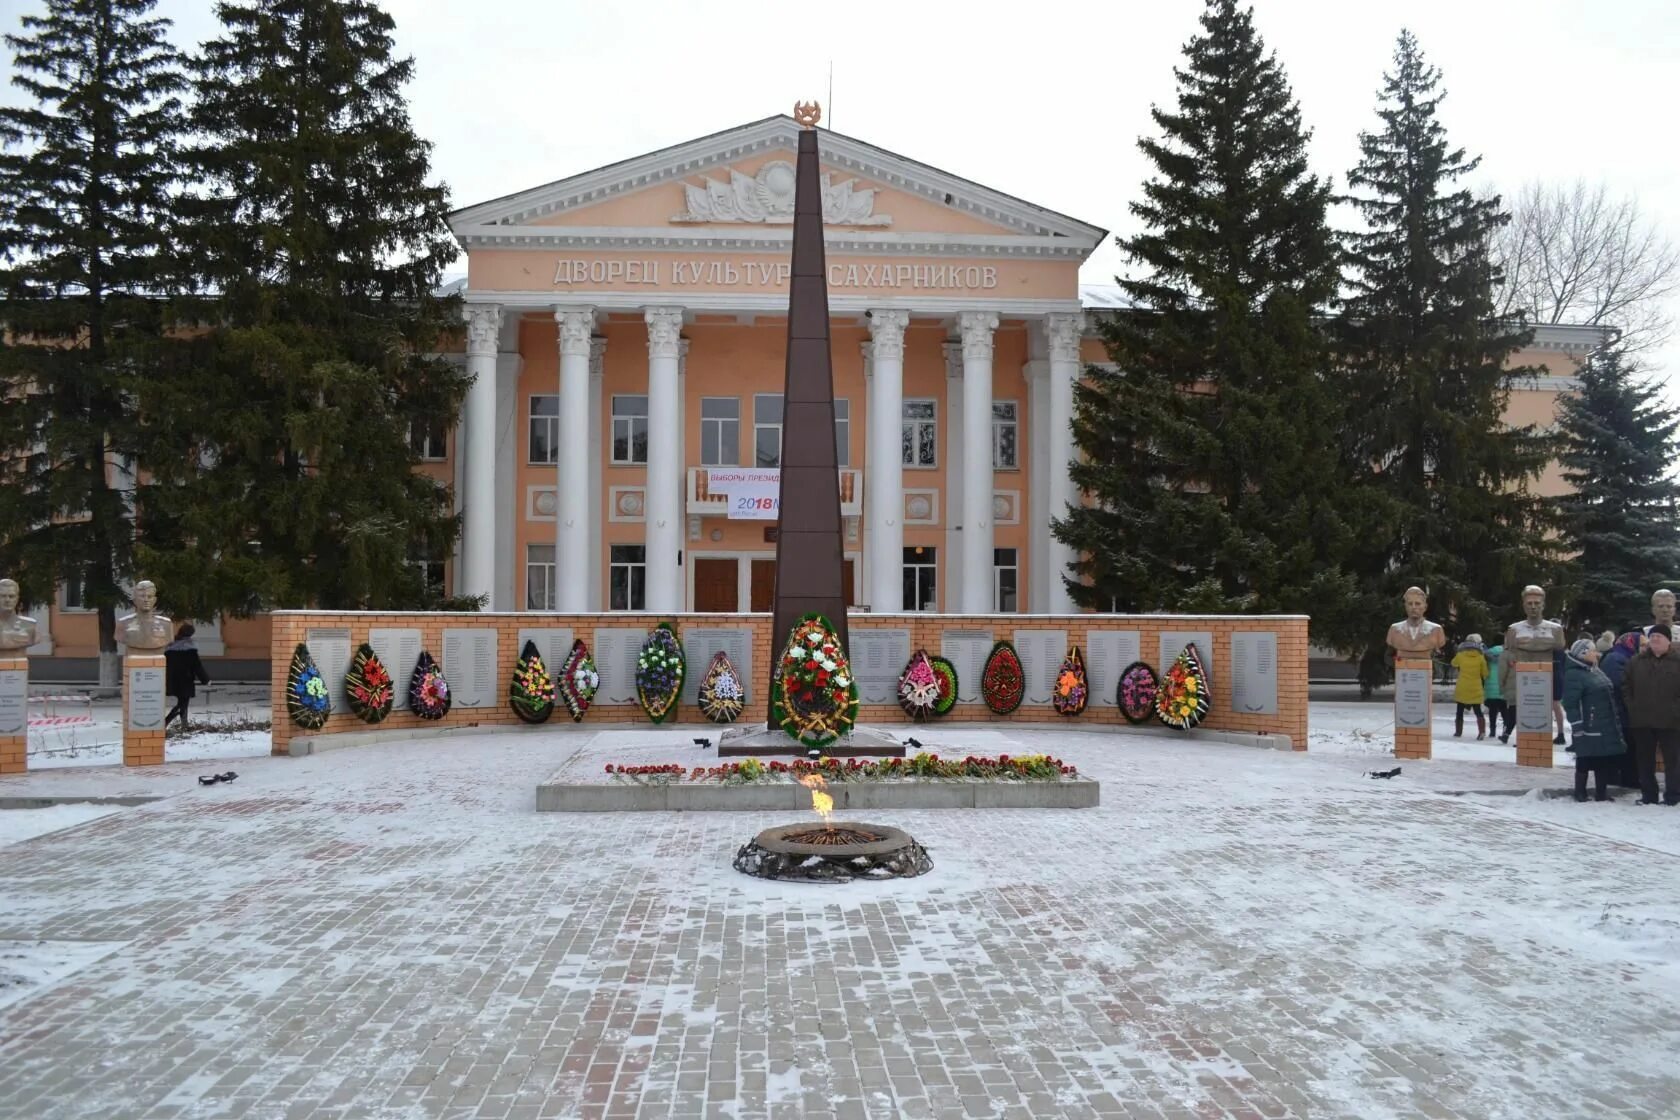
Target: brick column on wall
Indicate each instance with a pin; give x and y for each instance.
(1534, 748)
(1416, 742)
(14, 715)
(143, 728)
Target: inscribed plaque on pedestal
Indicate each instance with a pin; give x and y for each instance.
(14, 701)
(1411, 697)
(1534, 700)
(145, 698)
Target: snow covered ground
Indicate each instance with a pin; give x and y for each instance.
(392, 931)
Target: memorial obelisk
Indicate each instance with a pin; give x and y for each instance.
(809, 549)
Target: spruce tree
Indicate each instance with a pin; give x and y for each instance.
(1426, 376)
(1210, 449)
(1621, 519)
(320, 238)
(87, 171)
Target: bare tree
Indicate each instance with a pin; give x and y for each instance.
(1575, 253)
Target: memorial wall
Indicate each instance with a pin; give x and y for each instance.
(1257, 664)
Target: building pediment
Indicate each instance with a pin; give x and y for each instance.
(734, 190)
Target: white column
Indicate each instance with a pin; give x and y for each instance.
(478, 503)
(690, 529)
(571, 545)
(951, 594)
(662, 507)
(977, 328)
(1063, 331)
(597, 365)
(884, 459)
(1037, 375)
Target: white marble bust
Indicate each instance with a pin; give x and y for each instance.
(1415, 635)
(145, 629)
(16, 631)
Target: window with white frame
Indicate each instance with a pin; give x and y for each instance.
(843, 432)
(921, 579)
(73, 592)
(920, 433)
(429, 563)
(429, 438)
(544, 445)
(629, 428)
(720, 431)
(1006, 573)
(539, 577)
(1005, 432)
(627, 578)
(767, 429)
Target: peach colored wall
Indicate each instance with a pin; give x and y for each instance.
(519, 270)
(657, 205)
(925, 632)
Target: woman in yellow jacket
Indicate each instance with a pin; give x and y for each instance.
(1471, 691)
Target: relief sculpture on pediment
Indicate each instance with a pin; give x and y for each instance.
(767, 199)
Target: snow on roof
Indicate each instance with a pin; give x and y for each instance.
(1103, 296)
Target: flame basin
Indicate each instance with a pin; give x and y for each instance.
(863, 851)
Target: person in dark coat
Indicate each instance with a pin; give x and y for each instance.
(1589, 700)
(1625, 770)
(183, 672)
(1651, 686)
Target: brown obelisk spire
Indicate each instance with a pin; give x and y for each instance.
(809, 555)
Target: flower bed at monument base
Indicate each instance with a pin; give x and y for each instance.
(925, 781)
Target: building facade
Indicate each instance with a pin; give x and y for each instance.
(625, 329)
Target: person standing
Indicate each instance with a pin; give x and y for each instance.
(183, 671)
(1614, 665)
(1495, 699)
(1589, 699)
(1471, 688)
(1651, 687)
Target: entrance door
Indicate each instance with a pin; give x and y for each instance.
(846, 584)
(715, 587)
(763, 586)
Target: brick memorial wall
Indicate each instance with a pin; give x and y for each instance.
(1262, 691)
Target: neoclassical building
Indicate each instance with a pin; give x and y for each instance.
(626, 331)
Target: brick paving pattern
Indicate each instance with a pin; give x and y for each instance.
(391, 932)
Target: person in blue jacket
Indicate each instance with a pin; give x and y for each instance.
(1624, 771)
(1589, 700)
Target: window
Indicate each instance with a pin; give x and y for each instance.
(1006, 573)
(628, 577)
(920, 429)
(767, 429)
(545, 430)
(539, 577)
(630, 429)
(1005, 429)
(429, 562)
(921, 573)
(843, 432)
(429, 438)
(74, 590)
(720, 432)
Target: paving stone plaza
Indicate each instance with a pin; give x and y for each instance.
(393, 931)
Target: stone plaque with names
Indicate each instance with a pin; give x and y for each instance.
(878, 660)
(398, 648)
(554, 645)
(1173, 643)
(469, 664)
(1254, 685)
(1411, 697)
(330, 647)
(14, 701)
(967, 651)
(1041, 653)
(1107, 653)
(702, 643)
(145, 698)
(616, 648)
(1534, 699)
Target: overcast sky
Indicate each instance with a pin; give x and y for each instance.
(1038, 98)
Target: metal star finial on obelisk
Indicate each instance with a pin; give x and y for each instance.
(809, 546)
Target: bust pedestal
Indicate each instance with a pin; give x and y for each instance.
(143, 709)
(14, 713)
(1413, 692)
(1533, 700)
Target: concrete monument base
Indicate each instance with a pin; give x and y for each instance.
(762, 740)
(143, 709)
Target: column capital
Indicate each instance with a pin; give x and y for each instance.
(597, 358)
(484, 327)
(1063, 330)
(886, 328)
(664, 331)
(576, 325)
(682, 356)
(977, 328)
